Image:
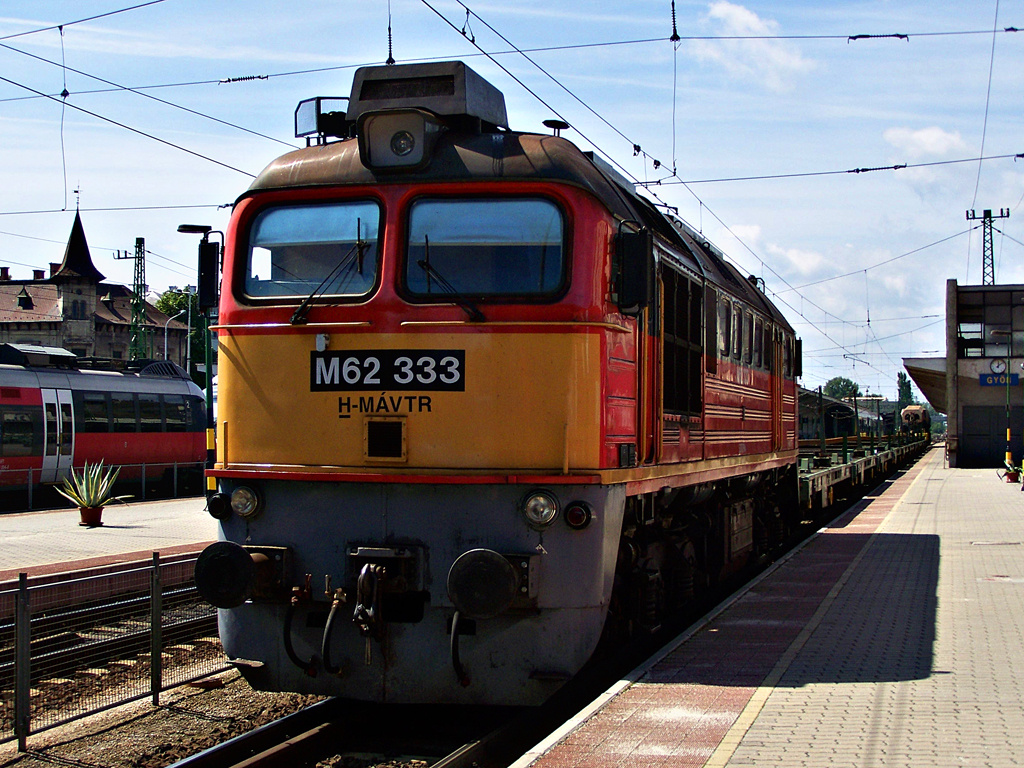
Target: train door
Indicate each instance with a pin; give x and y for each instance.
(58, 434)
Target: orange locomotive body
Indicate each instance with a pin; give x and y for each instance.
(480, 406)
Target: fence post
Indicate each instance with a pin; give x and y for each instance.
(22, 664)
(30, 489)
(175, 480)
(156, 677)
(143, 481)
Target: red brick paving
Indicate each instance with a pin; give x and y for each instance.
(678, 713)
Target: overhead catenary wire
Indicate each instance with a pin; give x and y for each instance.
(775, 37)
(636, 150)
(882, 263)
(134, 130)
(119, 88)
(81, 21)
(988, 99)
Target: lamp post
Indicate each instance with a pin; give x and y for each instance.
(1006, 374)
(208, 272)
(165, 330)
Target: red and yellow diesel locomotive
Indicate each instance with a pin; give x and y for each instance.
(480, 404)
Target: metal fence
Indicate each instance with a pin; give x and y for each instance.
(73, 647)
(158, 480)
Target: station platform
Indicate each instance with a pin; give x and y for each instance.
(51, 541)
(893, 637)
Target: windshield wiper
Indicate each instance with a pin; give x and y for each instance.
(299, 316)
(449, 290)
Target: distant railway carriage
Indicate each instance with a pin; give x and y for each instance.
(55, 415)
(480, 404)
(916, 418)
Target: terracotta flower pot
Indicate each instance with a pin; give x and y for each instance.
(90, 516)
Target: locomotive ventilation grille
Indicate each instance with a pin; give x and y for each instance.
(385, 439)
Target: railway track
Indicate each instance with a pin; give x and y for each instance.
(104, 633)
(448, 737)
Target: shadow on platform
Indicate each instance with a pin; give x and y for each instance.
(878, 627)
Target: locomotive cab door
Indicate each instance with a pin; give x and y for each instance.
(58, 434)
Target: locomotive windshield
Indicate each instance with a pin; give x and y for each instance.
(485, 248)
(326, 249)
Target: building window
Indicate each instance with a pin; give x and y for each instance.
(990, 323)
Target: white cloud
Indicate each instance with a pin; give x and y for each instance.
(803, 262)
(774, 63)
(925, 142)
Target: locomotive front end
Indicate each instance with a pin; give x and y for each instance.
(413, 339)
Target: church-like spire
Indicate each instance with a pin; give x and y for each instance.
(77, 259)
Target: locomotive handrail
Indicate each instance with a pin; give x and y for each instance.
(515, 323)
(232, 326)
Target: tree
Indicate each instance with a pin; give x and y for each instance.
(904, 395)
(171, 303)
(841, 387)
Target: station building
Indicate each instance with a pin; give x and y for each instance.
(73, 307)
(978, 383)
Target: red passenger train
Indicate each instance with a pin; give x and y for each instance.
(481, 405)
(56, 413)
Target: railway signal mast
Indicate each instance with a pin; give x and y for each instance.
(988, 268)
(138, 347)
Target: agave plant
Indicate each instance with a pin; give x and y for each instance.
(91, 488)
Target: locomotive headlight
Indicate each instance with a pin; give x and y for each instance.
(245, 502)
(540, 509)
(402, 143)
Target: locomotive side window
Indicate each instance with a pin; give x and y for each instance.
(486, 248)
(724, 316)
(748, 337)
(681, 326)
(21, 431)
(737, 331)
(327, 249)
(758, 337)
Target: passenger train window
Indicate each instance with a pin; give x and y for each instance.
(93, 410)
(328, 249)
(149, 413)
(175, 413)
(486, 248)
(50, 414)
(20, 431)
(67, 432)
(122, 407)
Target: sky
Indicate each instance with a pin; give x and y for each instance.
(751, 127)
